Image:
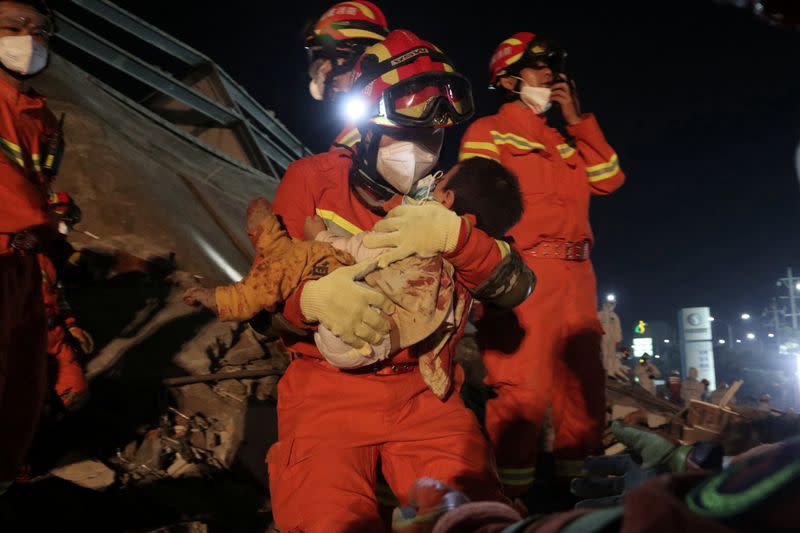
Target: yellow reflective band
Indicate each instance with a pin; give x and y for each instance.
(49, 161)
(512, 41)
(505, 249)
(482, 146)
(603, 171)
(12, 151)
(528, 470)
(380, 51)
(469, 155)
(350, 138)
(515, 140)
(358, 34)
(349, 227)
(391, 77)
(364, 9)
(566, 150)
(513, 59)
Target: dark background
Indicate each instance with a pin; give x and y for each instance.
(699, 100)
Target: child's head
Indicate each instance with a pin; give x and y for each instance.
(485, 189)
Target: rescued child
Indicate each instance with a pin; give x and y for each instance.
(423, 289)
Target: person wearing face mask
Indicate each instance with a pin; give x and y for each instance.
(557, 361)
(333, 45)
(25, 227)
(334, 425)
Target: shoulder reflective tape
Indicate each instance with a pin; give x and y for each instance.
(482, 146)
(516, 476)
(342, 223)
(469, 155)
(505, 248)
(604, 170)
(515, 140)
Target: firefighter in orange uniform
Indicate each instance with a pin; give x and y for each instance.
(64, 336)
(25, 227)
(555, 360)
(334, 425)
(334, 44)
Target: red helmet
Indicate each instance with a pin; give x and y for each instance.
(64, 207)
(346, 27)
(521, 50)
(405, 81)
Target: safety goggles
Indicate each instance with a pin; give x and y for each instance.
(428, 100)
(541, 53)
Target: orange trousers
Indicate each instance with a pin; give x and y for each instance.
(65, 372)
(545, 352)
(22, 358)
(333, 426)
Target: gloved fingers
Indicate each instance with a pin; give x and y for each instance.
(351, 339)
(597, 487)
(380, 301)
(631, 437)
(393, 256)
(367, 334)
(388, 225)
(381, 240)
(607, 465)
(599, 503)
(359, 270)
(376, 322)
(399, 211)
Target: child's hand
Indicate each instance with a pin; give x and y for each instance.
(200, 297)
(313, 227)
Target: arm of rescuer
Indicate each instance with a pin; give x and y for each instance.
(602, 165)
(490, 269)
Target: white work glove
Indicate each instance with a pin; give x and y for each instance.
(337, 302)
(426, 230)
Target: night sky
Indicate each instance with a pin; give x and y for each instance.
(700, 101)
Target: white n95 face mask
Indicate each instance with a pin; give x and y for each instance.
(22, 54)
(403, 163)
(537, 98)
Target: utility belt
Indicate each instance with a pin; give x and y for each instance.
(565, 250)
(28, 241)
(382, 368)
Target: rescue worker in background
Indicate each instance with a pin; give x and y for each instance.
(334, 425)
(674, 387)
(334, 44)
(691, 388)
(647, 372)
(25, 227)
(64, 337)
(557, 360)
(612, 336)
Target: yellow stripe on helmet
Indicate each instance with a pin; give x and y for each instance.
(364, 9)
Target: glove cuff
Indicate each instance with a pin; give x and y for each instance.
(453, 232)
(677, 458)
(310, 302)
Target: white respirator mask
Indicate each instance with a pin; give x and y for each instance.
(403, 163)
(22, 54)
(537, 98)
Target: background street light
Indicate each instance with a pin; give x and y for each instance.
(738, 341)
(611, 298)
(745, 316)
(751, 336)
(730, 329)
(771, 335)
(666, 341)
(721, 341)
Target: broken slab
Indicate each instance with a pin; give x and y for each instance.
(89, 474)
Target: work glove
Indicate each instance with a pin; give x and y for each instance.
(427, 229)
(85, 341)
(346, 308)
(428, 500)
(651, 455)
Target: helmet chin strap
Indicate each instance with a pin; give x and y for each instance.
(365, 166)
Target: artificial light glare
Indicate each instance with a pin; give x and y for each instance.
(355, 108)
(721, 341)
(745, 316)
(738, 341)
(751, 336)
(611, 298)
(666, 341)
(771, 335)
(711, 319)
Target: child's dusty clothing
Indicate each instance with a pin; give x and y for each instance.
(283, 264)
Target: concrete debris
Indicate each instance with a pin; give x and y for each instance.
(89, 474)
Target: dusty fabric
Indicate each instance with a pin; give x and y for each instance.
(282, 265)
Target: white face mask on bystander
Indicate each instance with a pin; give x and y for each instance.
(22, 54)
(537, 98)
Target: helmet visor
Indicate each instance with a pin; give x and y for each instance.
(429, 100)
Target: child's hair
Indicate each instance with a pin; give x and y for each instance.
(487, 190)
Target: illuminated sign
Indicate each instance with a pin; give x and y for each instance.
(641, 327)
(642, 345)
